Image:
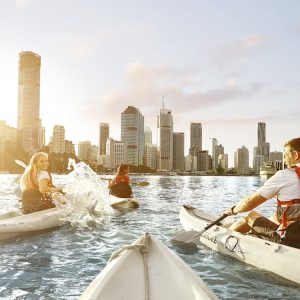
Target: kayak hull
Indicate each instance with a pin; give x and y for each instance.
(124, 203)
(15, 223)
(277, 258)
(159, 273)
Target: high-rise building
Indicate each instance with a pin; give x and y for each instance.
(85, 150)
(178, 151)
(241, 161)
(150, 157)
(203, 161)
(116, 153)
(261, 133)
(215, 152)
(29, 123)
(196, 135)
(103, 136)
(165, 139)
(148, 135)
(132, 134)
(58, 139)
(69, 147)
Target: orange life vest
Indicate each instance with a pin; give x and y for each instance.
(288, 210)
(122, 179)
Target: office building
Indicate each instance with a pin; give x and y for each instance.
(29, 123)
(132, 134)
(148, 135)
(58, 139)
(195, 138)
(103, 136)
(150, 157)
(116, 153)
(241, 161)
(165, 139)
(178, 151)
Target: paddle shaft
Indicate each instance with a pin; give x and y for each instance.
(198, 234)
(142, 183)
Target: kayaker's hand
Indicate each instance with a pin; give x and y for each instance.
(229, 211)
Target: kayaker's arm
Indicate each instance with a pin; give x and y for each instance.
(246, 204)
(44, 188)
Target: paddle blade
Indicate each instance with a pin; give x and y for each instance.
(142, 183)
(20, 163)
(187, 237)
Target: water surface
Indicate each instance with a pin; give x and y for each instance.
(60, 264)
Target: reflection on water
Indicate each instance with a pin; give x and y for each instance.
(60, 264)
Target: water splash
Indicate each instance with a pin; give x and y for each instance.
(84, 203)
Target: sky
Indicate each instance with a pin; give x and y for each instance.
(227, 64)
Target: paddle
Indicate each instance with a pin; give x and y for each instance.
(141, 183)
(22, 164)
(192, 236)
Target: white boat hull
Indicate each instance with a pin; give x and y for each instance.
(159, 274)
(15, 223)
(277, 258)
(124, 203)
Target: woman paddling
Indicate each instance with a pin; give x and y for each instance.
(120, 185)
(36, 185)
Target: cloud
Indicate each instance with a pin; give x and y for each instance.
(238, 51)
(147, 85)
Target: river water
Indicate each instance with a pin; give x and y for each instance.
(59, 264)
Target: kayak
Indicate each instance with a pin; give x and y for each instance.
(124, 203)
(15, 223)
(277, 258)
(149, 270)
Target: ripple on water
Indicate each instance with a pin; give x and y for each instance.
(60, 264)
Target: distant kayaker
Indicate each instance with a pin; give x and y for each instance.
(36, 185)
(120, 185)
(284, 225)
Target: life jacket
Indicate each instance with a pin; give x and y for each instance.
(288, 210)
(33, 182)
(122, 179)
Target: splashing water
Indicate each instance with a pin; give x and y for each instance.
(84, 203)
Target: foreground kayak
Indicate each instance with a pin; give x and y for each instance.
(277, 258)
(147, 270)
(124, 203)
(15, 223)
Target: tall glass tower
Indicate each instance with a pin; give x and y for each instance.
(29, 123)
(261, 134)
(165, 139)
(103, 136)
(132, 134)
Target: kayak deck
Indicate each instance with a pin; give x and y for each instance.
(147, 269)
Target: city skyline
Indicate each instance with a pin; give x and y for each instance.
(224, 71)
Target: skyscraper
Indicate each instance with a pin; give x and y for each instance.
(241, 161)
(132, 134)
(178, 151)
(58, 140)
(261, 133)
(148, 135)
(195, 138)
(29, 123)
(103, 136)
(165, 139)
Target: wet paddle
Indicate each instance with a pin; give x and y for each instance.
(188, 237)
(20, 163)
(141, 183)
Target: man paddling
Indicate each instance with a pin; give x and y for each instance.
(284, 225)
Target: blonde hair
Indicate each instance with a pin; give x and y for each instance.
(32, 165)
